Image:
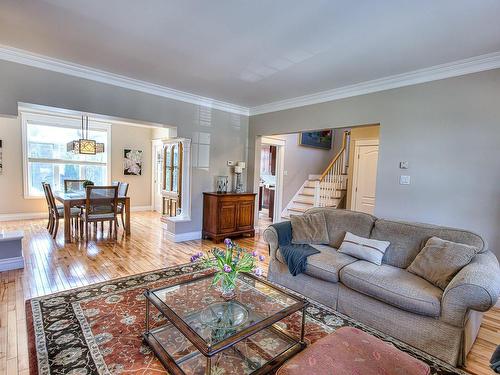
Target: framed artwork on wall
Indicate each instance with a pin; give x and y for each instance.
(132, 162)
(318, 139)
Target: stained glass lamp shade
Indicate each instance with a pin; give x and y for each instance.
(85, 146)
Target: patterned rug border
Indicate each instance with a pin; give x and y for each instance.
(196, 268)
(89, 338)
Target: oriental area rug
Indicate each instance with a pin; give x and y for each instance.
(98, 329)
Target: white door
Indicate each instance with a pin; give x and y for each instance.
(157, 177)
(364, 176)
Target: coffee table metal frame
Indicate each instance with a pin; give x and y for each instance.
(210, 350)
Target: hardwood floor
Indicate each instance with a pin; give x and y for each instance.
(264, 219)
(52, 266)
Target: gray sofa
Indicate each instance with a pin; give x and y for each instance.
(389, 298)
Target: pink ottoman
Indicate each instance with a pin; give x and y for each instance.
(350, 351)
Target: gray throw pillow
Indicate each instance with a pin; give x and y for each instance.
(364, 248)
(309, 229)
(440, 260)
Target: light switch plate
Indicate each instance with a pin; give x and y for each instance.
(403, 164)
(404, 180)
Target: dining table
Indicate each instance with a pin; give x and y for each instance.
(78, 199)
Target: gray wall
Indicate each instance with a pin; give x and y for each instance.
(448, 130)
(228, 132)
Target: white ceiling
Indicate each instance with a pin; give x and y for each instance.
(253, 52)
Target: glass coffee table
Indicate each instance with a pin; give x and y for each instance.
(204, 334)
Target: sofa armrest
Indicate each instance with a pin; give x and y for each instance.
(271, 237)
(277, 235)
(474, 287)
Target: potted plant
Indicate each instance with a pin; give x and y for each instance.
(87, 183)
(228, 264)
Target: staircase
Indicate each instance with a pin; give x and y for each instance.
(326, 190)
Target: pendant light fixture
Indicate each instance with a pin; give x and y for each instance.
(84, 145)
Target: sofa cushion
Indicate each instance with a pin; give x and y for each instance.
(326, 265)
(393, 286)
(309, 229)
(440, 260)
(408, 238)
(338, 222)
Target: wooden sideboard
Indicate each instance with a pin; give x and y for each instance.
(228, 215)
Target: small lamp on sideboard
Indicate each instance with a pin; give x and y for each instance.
(238, 170)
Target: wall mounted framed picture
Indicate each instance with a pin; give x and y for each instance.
(132, 162)
(318, 139)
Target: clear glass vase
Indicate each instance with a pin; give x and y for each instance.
(227, 287)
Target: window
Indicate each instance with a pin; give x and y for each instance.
(46, 158)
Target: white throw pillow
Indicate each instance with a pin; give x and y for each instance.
(364, 248)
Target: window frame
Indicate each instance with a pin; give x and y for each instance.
(61, 121)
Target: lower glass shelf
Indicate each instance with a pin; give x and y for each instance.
(248, 356)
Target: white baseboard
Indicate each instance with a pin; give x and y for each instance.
(23, 216)
(11, 263)
(141, 208)
(181, 237)
(43, 215)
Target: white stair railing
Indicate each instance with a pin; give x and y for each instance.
(328, 189)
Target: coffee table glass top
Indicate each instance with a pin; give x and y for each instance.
(213, 319)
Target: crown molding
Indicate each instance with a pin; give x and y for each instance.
(20, 56)
(433, 73)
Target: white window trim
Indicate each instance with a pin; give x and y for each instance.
(63, 121)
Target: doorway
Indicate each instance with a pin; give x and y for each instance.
(364, 175)
(270, 181)
(157, 176)
(267, 186)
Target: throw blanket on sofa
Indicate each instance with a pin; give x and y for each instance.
(284, 230)
(296, 257)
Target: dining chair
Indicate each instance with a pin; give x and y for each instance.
(122, 192)
(101, 205)
(113, 183)
(57, 212)
(73, 185)
(49, 222)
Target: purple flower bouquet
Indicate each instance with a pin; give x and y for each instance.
(228, 264)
